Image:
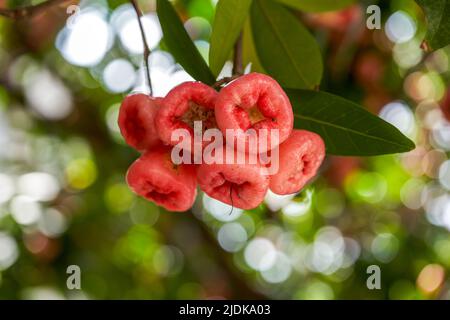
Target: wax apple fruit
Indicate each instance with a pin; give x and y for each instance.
(136, 121)
(252, 106)
(184, 104)
(154, 177)
(300, 157)
(254, 101)
(242, 185)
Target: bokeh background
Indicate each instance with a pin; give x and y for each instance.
(64, 201)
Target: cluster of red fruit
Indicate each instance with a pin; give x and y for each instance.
(252, 101)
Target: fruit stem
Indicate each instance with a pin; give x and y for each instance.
(231, 200)
(237, 57)
(224, 81)
(144, 41)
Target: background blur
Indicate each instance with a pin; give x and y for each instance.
(64, 201)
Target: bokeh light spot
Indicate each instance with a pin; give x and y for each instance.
(260, 254)
(119, 75)
(7, 188)
(232, 237)
(87, 40)
(8, 251)
(280, 271)
(385, 247)
(430, 278)
(400, 27)
(81, 173)
(25, 210)
(40, 186)
(401, 116)
(219, 210)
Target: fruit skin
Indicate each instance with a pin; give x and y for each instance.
(240, 185)
(300, 158)
(178, 104)
(154, 177)
(254, 90)
(136, 121)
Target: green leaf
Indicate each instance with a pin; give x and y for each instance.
(286, 49)
(437, 13)
(180, 44)
(347, 128)
(228, 23)
(249, 51)
(318, 5)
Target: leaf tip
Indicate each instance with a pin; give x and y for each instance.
(410, 145)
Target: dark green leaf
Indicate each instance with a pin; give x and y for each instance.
(228, 23)
(248, 49)
(287, 51)
(437, 13)
(346, 128)
(180, 44)
(318, 5)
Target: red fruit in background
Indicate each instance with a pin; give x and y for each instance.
(39, 29)
(339, 168)
(254, 101)
(136, 121)
(369, 70)
(154, 177)
(300, 157)
(240, 185)
(337, 21)
(375, 99)
(184, 104)
(445, 105)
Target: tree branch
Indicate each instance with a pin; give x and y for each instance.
(28, 11)
(144, 41)
(241, 286)
(225, 81)
(238, 69)
(237, 57)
